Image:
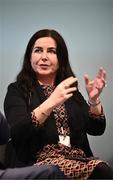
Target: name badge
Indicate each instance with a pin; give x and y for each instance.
(64, 140)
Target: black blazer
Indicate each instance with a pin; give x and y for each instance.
(27, 139)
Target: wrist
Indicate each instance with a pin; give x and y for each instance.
(47, 107)
(94, 103)
(51, 104)
(39, 115)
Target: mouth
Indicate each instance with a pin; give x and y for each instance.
(44, 66)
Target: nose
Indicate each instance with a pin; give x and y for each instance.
(44, 56)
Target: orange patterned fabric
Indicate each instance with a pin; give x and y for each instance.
(60, 113)
(63, 156)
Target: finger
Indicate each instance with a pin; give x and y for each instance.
(104, 82)
(69, 81)
(69, 95)
(101, 73)
(104, 74)
(104, 77)
(71, 90)
(86, 78)
(72, 81)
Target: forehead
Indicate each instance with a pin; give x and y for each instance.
(45, 42)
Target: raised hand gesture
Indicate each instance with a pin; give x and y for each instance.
(95, 87)
(63, 91)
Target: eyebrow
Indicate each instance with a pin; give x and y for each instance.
(42, 47)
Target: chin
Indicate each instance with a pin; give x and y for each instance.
(44, 74)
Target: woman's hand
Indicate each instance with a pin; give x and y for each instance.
(95, 87)
(62, 92)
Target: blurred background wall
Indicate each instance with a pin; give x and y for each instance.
(87, 27)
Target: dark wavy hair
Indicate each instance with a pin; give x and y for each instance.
(27, 76)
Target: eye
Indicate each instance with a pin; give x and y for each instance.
(53, 51)
(37, 50)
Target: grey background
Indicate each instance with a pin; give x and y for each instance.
(87, 27)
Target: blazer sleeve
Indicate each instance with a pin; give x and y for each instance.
(25, 136)
(4, 130)
(94, 125)
(15, 109)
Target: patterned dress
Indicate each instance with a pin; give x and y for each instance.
(78, 166)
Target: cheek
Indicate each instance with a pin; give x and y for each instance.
(57, 64)
(34, 59)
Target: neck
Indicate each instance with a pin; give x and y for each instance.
(46, 81)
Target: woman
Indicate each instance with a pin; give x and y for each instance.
(48, 115)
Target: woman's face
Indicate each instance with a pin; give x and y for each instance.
(44, 58)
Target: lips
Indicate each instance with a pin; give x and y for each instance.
(43, 65)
